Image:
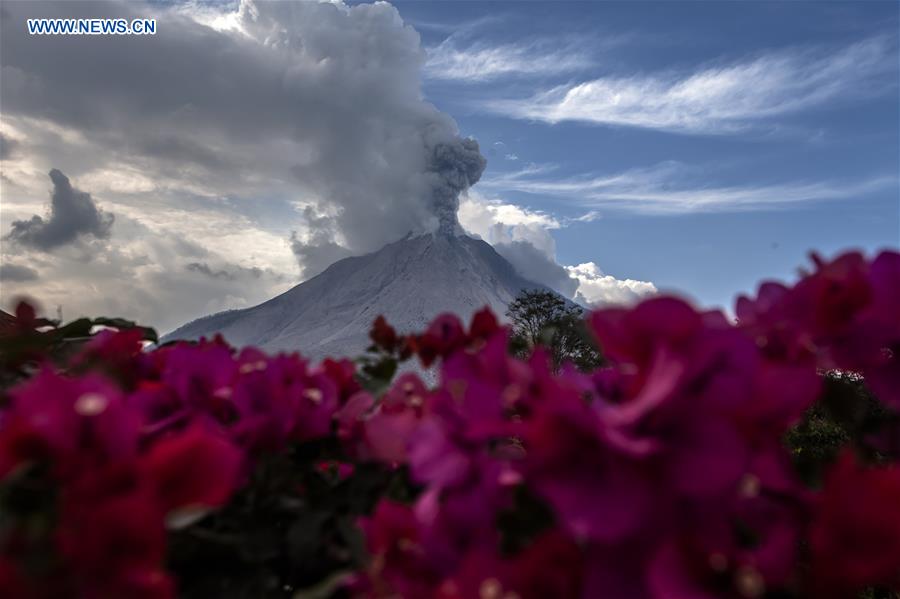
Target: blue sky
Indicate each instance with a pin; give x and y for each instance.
(798, 151)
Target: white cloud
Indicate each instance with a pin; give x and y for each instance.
(265, 107)
(598, 289)
(674, 188)
(716, 99)
(478, 61)
(524, 238)
(478, 214)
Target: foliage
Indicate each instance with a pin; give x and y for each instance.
(544, 318)
(846, 414)
(706, 459)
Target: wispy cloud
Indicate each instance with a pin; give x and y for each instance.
(460, 60)
(672, 188)
(717, 99)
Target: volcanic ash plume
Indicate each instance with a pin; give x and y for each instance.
(454, 167)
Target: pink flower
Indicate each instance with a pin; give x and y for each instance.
(883, 373)
(192, 470)
(855, 537)
(71, 422)
(112, 536)
(343, 373)
(683, 377)
(400, 564)
(12, 582)
(278, 399)
(201, 377)
(116, 353)
(444, 335)
(596, 490)
(551, 566)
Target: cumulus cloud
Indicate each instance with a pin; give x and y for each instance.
(72, 214)
(17, 273)
(325, 97)
(718, 99)
(221, 125)
(524, 238)
(598, 289)
(243, 149)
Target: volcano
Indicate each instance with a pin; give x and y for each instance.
(409, 282)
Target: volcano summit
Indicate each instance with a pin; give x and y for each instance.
(409, 281)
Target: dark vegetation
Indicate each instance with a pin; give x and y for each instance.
(544, 318)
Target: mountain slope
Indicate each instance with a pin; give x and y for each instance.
(409, 281)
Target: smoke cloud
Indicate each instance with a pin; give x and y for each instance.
(73, 213)
(536, 265)
(305, 104)
(16, 273)
(455, 167)
(7, 146)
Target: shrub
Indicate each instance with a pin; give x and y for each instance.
(699, 462)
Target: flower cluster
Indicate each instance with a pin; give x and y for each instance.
(663, 474)
(129, 443)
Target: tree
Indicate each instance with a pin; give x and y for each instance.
(543, 318)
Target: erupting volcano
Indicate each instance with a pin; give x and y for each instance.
(409, 282)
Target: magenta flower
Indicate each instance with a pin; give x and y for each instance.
(192, 471)
(683, 376)
(112, 536)
(551, 566)
(855, 537)
(278, 398)
(73, 423)
(597, 491)
(400, 564)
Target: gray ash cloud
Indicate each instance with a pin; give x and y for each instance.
(73, 213)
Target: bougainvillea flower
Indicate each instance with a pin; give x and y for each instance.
(855, 537)
(115, 352)
(278, 398)
(387, 434)
(883, 373)
(111, 527)
(390, 426)
(343, 373)
(201, 376)
(192, 469)
(444, 334)
(74, 422)
(383, 335)
(12, 582)
(399, 562)
(550, 566)
(662, 476)
(688, 364)
(597, 492)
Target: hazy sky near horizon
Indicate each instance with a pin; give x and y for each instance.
(631, 146)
